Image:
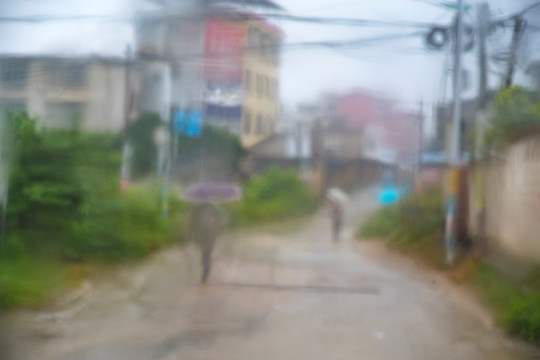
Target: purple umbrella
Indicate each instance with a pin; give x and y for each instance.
(212, 192)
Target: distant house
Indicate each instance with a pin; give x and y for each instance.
(90, 92)
(390, 134)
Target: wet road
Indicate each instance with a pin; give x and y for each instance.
(276, 292)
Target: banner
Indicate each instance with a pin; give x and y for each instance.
(224, 100)
(223, 49)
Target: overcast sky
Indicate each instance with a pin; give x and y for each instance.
(401, 68)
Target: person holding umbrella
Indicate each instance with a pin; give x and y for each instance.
(206, 219)
(336, 199)
(204, 227)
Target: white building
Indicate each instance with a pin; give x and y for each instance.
(90, 92)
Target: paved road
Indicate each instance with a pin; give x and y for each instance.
(277, 292)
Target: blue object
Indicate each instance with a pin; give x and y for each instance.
(389, 195)
(194, 128)
(180, 121)
(188, 122)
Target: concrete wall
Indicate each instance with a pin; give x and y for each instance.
(512, 200)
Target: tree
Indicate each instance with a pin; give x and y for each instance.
(141, 137)
(515, 110)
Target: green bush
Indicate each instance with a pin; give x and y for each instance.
(274, 195)
(126, 226)
(382, 223)
(141, 137)
(517, 309)
(412, 222)
(27, 281)
(65, 204)
(514, 110)
(523, 318)
(65, 199)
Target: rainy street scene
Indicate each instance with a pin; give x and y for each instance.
(261, 179)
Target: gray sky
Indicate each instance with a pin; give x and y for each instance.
(401, 68)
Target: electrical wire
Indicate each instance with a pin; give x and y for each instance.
(354, 43)
(199, 17)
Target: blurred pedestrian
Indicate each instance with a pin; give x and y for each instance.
(204, 227)
(336, 216)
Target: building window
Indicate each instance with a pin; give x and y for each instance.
(260, 89)
(64, 115)
(14, 72)
(254, 40)
(72, 74)
(266, 87)
(247, 122)
(11, 106)
(259, 127)
(247, 81)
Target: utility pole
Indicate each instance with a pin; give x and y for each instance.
(483, 24)
(166, 150)
(127, 113)
(483, 21)
(519, 25)
(420, 128)
(452, 202)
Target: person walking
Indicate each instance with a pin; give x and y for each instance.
(204, 227)
(336, 216)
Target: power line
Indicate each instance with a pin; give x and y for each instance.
(352, 43)
(521, 13)
(199, 17)
(345, 21)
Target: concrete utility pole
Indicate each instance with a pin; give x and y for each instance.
(519, 25)
(483, 21)
(452, 202)
(127, 113)
(166, 150)
(420, 127)
(483, 16)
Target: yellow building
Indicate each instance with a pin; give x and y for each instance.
(261, 104)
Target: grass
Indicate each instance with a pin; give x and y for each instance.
(515, 304)
(28, 281)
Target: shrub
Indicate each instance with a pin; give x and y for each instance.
(141, 137)
(65, 200)
(518, 310)
(382, 223)
(413, 221)
(274, 195)
(515, 110)
(125, 226)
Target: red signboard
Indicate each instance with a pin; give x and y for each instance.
(223, 47)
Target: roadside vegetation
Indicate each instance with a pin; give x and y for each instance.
(65, 209)
(272, 196)
(516, 303)
(415, 225)
(66, 213)
(515, 110)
